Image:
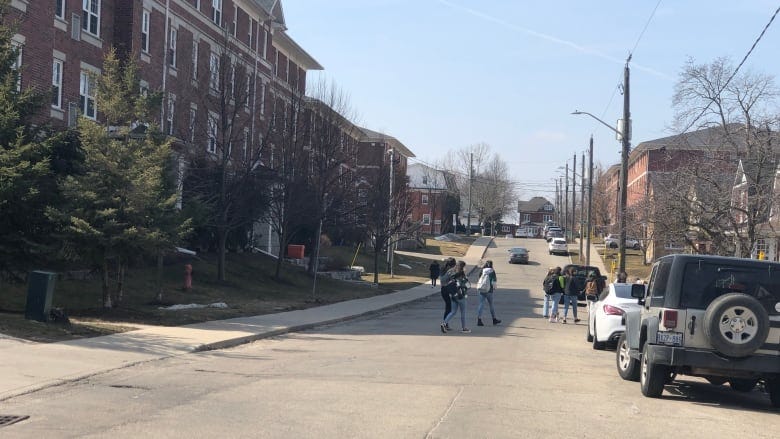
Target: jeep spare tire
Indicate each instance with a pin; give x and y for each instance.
(736, 324)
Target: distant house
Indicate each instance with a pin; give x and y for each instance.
(534, 214)
(430, 189)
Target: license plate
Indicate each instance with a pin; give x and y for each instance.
(673, 338)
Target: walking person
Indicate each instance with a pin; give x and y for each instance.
(486, 285)
(547, 285)
(459, 299)
(447, 284)
(570, 295)
(435, 270)
(557, 283)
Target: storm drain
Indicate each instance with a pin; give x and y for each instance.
(10, 419)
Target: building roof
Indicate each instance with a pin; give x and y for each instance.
(426, 177)
(535, 204)
(373, 136)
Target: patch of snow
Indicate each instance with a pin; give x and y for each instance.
(193, 306)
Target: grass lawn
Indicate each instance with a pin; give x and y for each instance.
(250, 289)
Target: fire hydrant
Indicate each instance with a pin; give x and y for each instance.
(187, 277)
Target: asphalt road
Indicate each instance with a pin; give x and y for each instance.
(397, 376)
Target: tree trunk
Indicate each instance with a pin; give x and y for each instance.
(120, 280)
(106, 293)
(159, 276)
(282, 245)
(376, 262)
(221, 244)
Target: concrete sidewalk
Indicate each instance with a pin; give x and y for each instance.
(27, 367)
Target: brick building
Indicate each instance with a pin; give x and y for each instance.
(430, 189)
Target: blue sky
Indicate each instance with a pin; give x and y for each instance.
(441, 75)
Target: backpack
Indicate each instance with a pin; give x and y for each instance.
(547, 284)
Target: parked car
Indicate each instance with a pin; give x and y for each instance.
(581, 275)
(612, 241)
(553, 233)
(708, 316)
(605, 314)
(558, 246)
(518, 255)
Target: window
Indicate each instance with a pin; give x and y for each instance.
(235, 21)
(195, 59)
(90, 16)
(56, 84)
(17, 66)
(193, 119)
(426, 219)
(262, 98)
(87, 95)
(197, 4)
(547, 218)
(214, 71)
(425, 180)
(247, 90)
(216, 17)
(425, 199)
(59, 9)
(172, 47)
(211, 147)
(249, 34)
(169, 115)
(246, 143)
(526, 217)
(145, 31)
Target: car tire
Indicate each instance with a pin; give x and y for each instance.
(736, 324)
(637, 246)
(652, 376)
(743, 384)
(597, 345)
(613, 245)
(773, 387)
(628, 368)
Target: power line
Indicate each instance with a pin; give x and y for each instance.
(734, 73)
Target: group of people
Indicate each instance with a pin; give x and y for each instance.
(454, 284)
(559, 285)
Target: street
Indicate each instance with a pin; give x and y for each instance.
(397, 376)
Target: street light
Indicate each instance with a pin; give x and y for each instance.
(625, 140)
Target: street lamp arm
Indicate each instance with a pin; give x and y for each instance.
(602, 122)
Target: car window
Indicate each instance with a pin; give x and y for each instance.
(658, 282)
(623, 291)
(704, 282)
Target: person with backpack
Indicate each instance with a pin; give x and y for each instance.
(458, 298)
(486, 284)
(435, 270)
(554, 282)
(570, 294)
(447, 284)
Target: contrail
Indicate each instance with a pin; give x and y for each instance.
(570, 44)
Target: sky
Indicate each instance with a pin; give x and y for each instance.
(442, 75)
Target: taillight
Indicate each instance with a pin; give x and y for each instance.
(669, 319)
(612, 310)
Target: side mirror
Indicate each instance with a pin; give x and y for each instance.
(637, 291)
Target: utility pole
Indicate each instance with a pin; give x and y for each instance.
(390, 214)
(625, 137)
(582, 203)
(590, 198)
(566, 200)
(573, 196)
(471, 180)
(557, 203)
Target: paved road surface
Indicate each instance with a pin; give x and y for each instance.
(396, 376)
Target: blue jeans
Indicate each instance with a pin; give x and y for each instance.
(459, 304)
(489, 298)
(567, 299)
(551, 300)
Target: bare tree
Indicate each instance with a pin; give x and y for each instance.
(225, 181)
(734, 119)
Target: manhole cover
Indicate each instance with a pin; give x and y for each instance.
(10, 419)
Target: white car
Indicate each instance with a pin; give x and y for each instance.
(558, 246)
(612, 241)
(605, 315)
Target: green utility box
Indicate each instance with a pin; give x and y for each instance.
(40, 288)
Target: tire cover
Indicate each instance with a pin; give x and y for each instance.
(736, 324)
